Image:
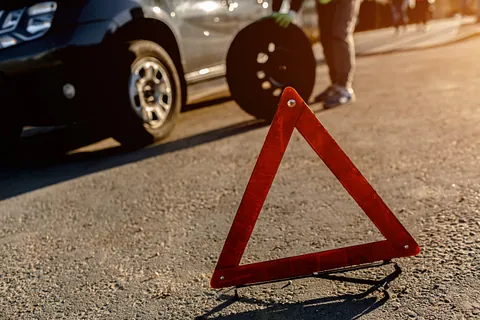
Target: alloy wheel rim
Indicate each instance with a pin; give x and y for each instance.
(150, 92)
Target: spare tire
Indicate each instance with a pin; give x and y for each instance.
(262, 60)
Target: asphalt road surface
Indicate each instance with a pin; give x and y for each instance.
(101, 234)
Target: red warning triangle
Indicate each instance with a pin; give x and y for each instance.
(294, 113)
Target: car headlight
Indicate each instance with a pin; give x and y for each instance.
(41, 17)
(26, 24)
(7, 41)
(12, 19)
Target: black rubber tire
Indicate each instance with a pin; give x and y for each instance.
(125, 126)
(242, 66)
(10, 128)
(9, 138)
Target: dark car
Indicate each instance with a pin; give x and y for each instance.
(122, 65)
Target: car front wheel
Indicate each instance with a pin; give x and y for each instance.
(9, 137)
(146, 96)
(10, 124)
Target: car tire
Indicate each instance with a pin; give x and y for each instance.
(10, 128)
(9, 137)
(144, 75)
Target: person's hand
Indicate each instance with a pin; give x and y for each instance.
(284, 19)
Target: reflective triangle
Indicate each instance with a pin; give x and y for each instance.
(293, 113)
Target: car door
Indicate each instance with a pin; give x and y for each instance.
(248, 11)
(206, 28)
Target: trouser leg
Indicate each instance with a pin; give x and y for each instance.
(405, 12)
(325, 23)
(395, 15)
(426, 12)
(343, 47)
(478, 10)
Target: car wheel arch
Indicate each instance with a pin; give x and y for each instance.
(158, 32)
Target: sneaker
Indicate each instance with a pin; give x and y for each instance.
(341, 96)
(325, 94)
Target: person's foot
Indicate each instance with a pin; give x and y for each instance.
(325, 94)
(341, 96)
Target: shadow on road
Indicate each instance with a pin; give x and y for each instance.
(207, 103)
(341, 307)
(43, 159)
(348, 306)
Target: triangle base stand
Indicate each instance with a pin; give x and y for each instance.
(293, 113)
(382, 284)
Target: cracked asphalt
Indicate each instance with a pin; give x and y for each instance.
(101, 234)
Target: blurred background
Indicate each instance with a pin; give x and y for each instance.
(375, 14)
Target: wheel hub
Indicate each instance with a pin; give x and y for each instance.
(276, 67)
(150, 92)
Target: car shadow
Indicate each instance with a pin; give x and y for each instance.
(44, 159)
(206, 103)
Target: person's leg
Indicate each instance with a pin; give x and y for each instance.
(395, 15)
(463, 7)
(420, 14)
(478, 11)
(344, 20)
(325, 22)
(426, 14)
(417, 15)
(405, 13)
